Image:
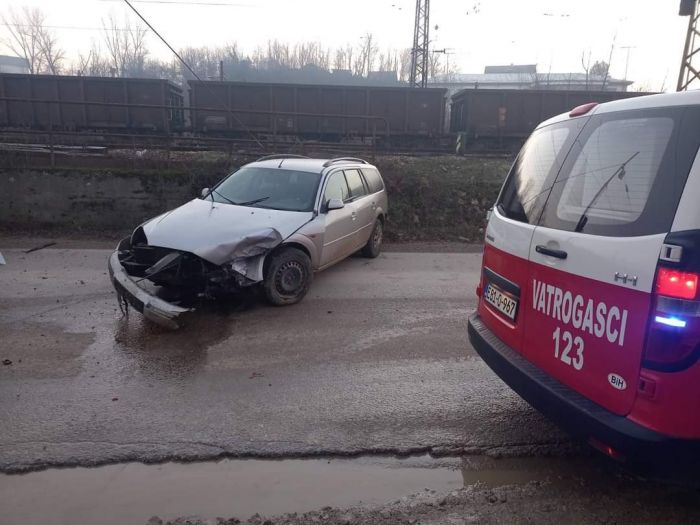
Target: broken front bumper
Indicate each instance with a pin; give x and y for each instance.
(153, 308)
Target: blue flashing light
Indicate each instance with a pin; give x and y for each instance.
(670, 321)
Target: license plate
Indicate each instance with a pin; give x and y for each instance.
(501, 301)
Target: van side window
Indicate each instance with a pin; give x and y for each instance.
(624, 176)
(530, 178)
(374, 180)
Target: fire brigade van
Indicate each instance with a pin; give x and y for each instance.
(588, 298)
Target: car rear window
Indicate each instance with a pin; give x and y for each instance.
(374, 180)
(625, 174)
(529, 181)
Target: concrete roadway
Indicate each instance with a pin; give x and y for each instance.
(374, 360)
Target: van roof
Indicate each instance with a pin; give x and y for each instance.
(682, 98)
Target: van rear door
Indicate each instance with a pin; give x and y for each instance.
(595, 250)
(505, 270)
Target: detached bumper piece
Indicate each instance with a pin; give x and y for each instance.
(153, 308)
(617, 436)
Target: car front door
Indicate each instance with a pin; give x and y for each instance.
(339, 237)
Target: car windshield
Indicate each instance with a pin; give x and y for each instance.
(273, 188)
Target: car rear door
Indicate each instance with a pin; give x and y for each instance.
(595, 251)
(364, 205)
(505, 269)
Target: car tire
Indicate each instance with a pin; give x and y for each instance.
(288, 277)
(374, 245)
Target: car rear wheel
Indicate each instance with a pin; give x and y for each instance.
(374, 245)
(288, 277)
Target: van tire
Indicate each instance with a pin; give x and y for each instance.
(374, 244)
(288, 277)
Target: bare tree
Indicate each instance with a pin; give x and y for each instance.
(126, 46)
(93, 64)
(29, 38)
(586, 64)
(51, 50)
(364, 61)
(405, 65)
(600, 69)
(343, 58)
(434, 64)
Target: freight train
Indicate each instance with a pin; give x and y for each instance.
(377, 115)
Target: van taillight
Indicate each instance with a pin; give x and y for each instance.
(673, 341)
(672, 283)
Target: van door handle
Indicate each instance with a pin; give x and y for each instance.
(354, 216)
(559, 254)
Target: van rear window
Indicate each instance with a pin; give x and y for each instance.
(624, 174)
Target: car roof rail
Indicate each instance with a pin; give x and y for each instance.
(344, 159)
(282, 156)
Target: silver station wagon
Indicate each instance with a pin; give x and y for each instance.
(271, 224)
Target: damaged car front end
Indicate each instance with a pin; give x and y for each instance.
(163, 283)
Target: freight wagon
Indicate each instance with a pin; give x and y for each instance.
(89, 103)
(321, 112)
(487, 114)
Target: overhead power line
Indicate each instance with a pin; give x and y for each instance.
(194, 73)
(186, 2)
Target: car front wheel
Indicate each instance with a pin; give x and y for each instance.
(288, 277)
(374, 245)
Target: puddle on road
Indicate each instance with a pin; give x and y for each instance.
(133, 492)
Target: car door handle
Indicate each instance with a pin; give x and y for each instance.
(354, 216)
(559, 254)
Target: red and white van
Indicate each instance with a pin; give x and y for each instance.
(589, 305)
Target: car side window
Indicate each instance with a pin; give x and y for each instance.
(357, 187)
(374, 180)
(337, 188)
(531, 177)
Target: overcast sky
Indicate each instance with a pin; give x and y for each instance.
(551, 33)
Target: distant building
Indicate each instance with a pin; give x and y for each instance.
(10, 64)
(527, 77)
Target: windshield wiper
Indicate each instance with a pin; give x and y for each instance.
(619, 173)
(222, 196)
(250, 203)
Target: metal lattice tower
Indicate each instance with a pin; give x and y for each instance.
(689, 72)
(421, 41)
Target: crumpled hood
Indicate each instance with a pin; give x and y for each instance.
(220, 233)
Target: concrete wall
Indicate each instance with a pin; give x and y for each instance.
(89, 199)
(430, 198)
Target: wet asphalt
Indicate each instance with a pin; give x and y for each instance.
(375, 360)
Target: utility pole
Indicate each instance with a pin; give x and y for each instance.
(627, 60)
(421, 42)
(688, 72)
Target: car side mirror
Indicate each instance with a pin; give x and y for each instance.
(335, 204)
(205, 192)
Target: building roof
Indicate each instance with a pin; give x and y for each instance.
(7, 60)
(513, 68)
(526, 80)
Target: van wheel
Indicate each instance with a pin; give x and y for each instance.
(288, 277)
(374, 245)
